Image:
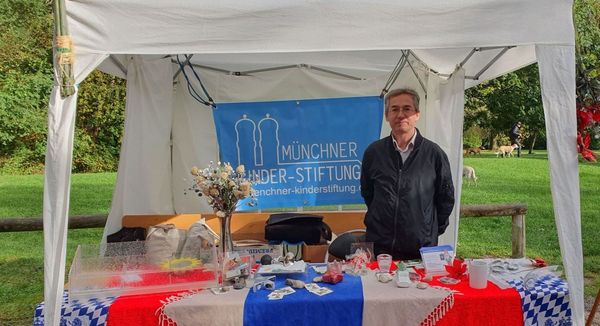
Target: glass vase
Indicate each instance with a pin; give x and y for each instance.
(225, 246)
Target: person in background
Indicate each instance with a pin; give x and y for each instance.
(515, 137)
(406, 183)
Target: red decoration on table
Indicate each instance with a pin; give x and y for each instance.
(538, 262)
(333, 275)
(332, 278)
(458, 269)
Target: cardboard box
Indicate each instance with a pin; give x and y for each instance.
(314, 253)
(258, 250)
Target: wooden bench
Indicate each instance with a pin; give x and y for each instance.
(516, 211)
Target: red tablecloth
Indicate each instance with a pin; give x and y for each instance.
(490, 306)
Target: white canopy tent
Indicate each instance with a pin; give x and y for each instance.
(271, 50)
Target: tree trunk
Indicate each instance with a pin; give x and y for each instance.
(535, 133)
(492, 141)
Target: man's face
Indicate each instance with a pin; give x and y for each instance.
(401, 114)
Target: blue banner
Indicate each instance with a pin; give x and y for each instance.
(302, 153)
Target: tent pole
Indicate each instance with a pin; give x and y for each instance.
(394, 75)
(492, 62)
(415, 73)
(249, 72)
(63, 50)
(209, 68)
(335, 73)
(462, 63)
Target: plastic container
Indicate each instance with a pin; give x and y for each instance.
(124, 268)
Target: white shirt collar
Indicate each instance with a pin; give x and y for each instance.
(410, 145)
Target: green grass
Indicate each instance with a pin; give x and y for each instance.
(22, 195)
(510, 180)
(22, 254)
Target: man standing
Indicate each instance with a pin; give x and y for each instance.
(515, 136)
(406, 183)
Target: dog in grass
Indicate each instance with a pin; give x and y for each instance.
(469, 175)
(506, 151)
(474, 150)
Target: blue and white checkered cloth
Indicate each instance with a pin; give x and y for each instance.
(91, 312)
(546, 304)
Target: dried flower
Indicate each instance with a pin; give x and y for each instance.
(223, 186)
(240, 169)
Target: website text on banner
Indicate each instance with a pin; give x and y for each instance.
(304, 152)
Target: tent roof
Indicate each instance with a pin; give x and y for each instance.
(343, 36)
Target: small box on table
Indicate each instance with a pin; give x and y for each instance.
(314, 253)
(257, 249)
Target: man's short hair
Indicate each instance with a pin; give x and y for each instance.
(400, 91)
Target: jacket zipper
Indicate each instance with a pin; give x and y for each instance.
(397, 203)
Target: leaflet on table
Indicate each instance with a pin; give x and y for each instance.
(294, 268)
(435, 258)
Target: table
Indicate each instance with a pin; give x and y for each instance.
(382, 304)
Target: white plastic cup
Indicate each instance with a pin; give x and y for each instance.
(478, 274)
(384, 261)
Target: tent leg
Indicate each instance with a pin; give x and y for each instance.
(590, 318)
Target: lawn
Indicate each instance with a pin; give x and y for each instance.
(510, 180)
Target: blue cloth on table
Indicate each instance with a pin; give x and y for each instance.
(344, 306)
(91, 312)
(547, 303)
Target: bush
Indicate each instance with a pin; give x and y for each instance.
(23, 161)
(89, 156)
(472, 137)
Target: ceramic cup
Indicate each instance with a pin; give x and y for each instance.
(384, 261)
(478, 274)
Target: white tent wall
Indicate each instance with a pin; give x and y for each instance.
(193, 137)
(144, 175)
(57, 179)
(557, 79)
(444, 125)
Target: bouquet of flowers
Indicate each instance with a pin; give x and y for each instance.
(223, 187)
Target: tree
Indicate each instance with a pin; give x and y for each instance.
(497, 104)
(25, 82)
(26, 77)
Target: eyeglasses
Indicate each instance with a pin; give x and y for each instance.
(406, 111)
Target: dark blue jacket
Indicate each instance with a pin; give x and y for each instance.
(408, 203)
